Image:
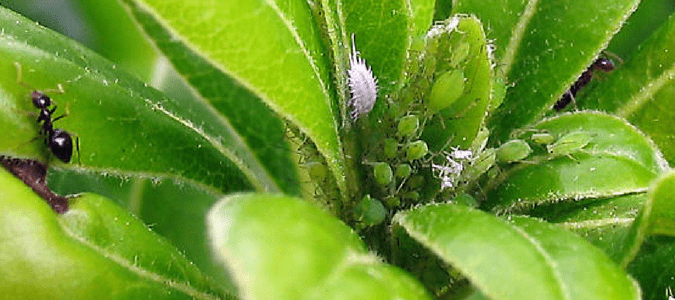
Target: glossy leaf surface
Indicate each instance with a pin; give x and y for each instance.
(96, 244)
(273, 49)
(522, 258)
(123, 127)
(532, 51)
(616, 147)
(642, 90)
(313, 255)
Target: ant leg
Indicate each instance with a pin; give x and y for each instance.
(61, 116)
(77, 146)
(574, 102)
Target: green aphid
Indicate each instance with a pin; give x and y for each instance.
(382, 173)
(318, 172)
(459, 54)
(390, 148)
(408, 126)
(570, 143)
(446, 90)
(416, 150)
(513, 150)
(414, 196)
(465, 199)
(481, 139)
(498, 93)
(542, 138)
(370, 211)
(392, 201)
(481, 163)
(403, 170)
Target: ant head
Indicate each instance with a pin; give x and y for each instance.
(604, 64)
(40, 100)
(61, 145)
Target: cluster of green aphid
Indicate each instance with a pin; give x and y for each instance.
(403, 166)
(403, 170)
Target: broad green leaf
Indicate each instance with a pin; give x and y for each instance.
(96, 250)
(615, 147)
(643, 88)
(659, 212)
(648, 17)
(610, 134)
(237, 105)
(614, 225)
(282, 246)
(273, 49)
(124, 127)
(117, 38)
(537, 54)
(607, 223)
(518, 258)
(162, 204)
(654, 268)
(382, 31)
(458, 124)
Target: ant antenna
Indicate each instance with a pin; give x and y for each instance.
(19, 80)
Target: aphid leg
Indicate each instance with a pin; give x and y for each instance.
(77, 148)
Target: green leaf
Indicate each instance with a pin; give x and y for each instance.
(238, 105)
(607, 223)
(521, 258)
(659, 212)
(649, 16)
(299, 252)
(123, 127)
(117, 38)
(537, 54)
(422, 15)
(616, 147)
(283, 62)
(614, 225)
(94, 250)
(653, 267)
(159, 203)
(382, 31)
(641, 90)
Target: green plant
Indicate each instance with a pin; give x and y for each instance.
(462, 182)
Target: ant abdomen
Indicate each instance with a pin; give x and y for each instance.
(61, 144)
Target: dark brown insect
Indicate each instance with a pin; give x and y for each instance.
(34, 174)
(602, 64)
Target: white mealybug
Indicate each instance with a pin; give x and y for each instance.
(362, 84)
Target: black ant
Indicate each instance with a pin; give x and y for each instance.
(58, 140)
(602, 64)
